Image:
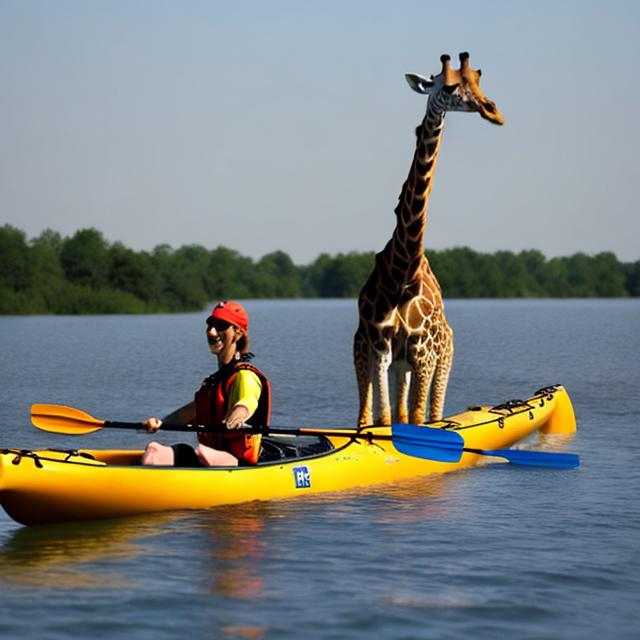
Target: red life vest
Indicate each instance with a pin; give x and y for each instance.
(211, 407)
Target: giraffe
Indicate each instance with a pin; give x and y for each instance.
(402, 324)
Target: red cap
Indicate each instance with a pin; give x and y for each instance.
(232, 312)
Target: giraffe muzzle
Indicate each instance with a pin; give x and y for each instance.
(490, 112)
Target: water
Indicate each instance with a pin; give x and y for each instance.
(498, 551)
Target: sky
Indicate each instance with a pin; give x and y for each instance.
(288, 125)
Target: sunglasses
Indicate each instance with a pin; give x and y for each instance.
(218, 325)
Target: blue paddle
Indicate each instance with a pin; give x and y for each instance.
(427, 443)
(448, 446)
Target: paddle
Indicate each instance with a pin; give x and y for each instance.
(407, 438)
(427, 443)
(419, 442)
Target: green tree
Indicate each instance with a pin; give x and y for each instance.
(49, 241)
(556, 278)
(458, 272)
(276, 277)
(85, 258)
(134, 272)
(341, 276)
(534, 264)
(182, 284)
(229, 275)
(49, 287)
(632, 278)
(16, 266)
(580, 277)
(313, 276)
(515, 279)
(608, 276)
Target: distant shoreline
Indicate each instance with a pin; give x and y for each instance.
(84, 274)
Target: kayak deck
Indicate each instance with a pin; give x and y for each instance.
(44, 486)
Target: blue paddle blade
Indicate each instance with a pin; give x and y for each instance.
(427, 442)
(447, 446)
(534, 458)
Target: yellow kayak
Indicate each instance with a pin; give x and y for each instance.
(47, 486)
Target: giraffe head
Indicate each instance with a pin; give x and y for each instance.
(460, 89)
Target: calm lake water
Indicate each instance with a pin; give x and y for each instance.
(498, 551)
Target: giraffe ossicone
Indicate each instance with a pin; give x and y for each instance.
(402, 325)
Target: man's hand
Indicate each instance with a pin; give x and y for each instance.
(238, 415)
(151, 425)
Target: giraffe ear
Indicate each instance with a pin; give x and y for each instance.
(419, 83)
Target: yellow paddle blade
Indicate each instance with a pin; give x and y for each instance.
(60, 419)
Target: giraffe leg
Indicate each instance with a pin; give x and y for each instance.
(361, 359)
(382, 405)
(440, 382)
(402, 378)
(423, 363)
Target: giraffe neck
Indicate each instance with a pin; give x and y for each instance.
(407, 240)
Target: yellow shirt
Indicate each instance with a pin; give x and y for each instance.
(245, 390)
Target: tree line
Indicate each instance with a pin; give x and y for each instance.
(84, 273)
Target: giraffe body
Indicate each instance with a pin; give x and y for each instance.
(403, 329)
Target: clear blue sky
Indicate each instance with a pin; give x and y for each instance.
(288, 125)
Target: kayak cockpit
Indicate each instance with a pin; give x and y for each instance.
(274, 449)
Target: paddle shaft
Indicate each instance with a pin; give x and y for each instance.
(443, 445)
(289, 431)
(426, 443)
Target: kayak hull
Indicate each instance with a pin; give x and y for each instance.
(47, 486)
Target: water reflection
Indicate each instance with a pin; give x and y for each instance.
(418, 499)
(71, 556)
(555, 442)
(231, 543)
